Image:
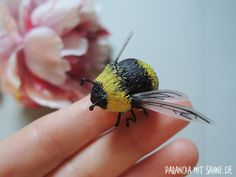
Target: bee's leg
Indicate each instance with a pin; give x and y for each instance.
(144, 111)
(133, 118)
(118, 120)
(136, 104)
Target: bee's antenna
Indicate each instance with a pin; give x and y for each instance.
(131, 33)
(86, 80)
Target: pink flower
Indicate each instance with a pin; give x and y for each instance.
(47, 46)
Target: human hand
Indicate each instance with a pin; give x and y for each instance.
(69, 143)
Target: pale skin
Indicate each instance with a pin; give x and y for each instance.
(68, 142)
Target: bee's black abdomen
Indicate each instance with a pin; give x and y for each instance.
(135, 76)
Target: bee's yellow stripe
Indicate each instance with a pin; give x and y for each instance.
(117, 99)
(151, 74)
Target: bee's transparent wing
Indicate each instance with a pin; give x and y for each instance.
(164, 95)
(160, 101)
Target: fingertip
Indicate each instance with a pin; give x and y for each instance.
(179, 153)
(185, 150)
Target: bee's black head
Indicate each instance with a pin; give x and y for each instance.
(98, 97)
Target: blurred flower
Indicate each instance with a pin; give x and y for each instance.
(47, 46)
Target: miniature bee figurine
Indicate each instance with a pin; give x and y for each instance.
(132, 84)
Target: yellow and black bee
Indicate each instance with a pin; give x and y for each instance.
(132, 84)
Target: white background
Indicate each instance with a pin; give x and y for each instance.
(191, 44)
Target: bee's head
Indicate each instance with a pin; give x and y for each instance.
(98, 95)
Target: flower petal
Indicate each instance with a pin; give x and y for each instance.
(43, 55)
(9, 36)
(13, 6)
(99, 53)
(60, 15)
(11, 72)
(10, 79)
(7, 22)
(7, 47)
(24, 20)
(89, 11)
(35, 91)
(74, 45)
(26, 7)
(49, 101)
(100, 50)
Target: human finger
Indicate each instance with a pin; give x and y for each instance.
(117, 151)
(47, 142)
(182, 154)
